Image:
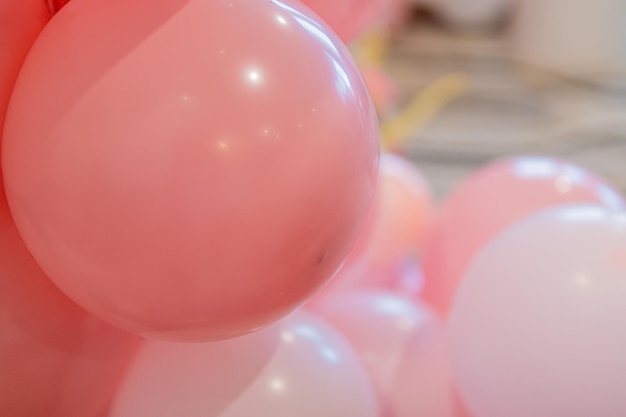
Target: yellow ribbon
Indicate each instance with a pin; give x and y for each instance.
(422, 109)
(371, 50)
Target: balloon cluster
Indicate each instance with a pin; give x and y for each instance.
(182, 179)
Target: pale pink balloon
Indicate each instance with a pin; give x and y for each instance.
(189, 169)
(402, 344)
(424, 384)
(55, 359)
(350, 18)
(300, 367)
(537, 328)
(20, 24)
(488, 202)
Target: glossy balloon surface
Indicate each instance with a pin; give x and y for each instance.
(189, 169)
(402, 214)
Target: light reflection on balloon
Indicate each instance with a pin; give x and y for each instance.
(299, 367)
(401, 343)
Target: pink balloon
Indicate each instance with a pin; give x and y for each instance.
(394, 234)
(402, 344)
(488, 202)
(55, 360)
(189, 169)
(299, 367)
(349, 18)
(424, 383)
(537, 328)
(20, 23)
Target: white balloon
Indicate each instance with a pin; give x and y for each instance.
(538, 327)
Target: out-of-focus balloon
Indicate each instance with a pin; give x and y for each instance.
(460, 409)
(424, 383)
(407, 279)
(491, 200)
(55, 359)
(349, 18)
(575, 37)
(394, 234)
(299, 367)
(402, 213)
(20, 23)
(403, 347)
(537, 328)
(178, 174)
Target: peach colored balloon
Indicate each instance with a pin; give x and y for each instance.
(55, 359)
(299, 367)
(20, 23)
(402, 344)
(190, 169)
(349, 18)
(537, 328)
(402, 213)
(488, 202)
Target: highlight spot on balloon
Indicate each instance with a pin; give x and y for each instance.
(254, 76)
(582, 281)
(277, 385)
(281, 20)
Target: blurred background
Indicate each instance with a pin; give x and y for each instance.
(506, 78)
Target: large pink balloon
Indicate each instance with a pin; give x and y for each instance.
(55, 359)
(189, 169)
(349, 18)
(402, 344)
(297, 368)
(489, 201)
(537, 328)
(20, 23)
